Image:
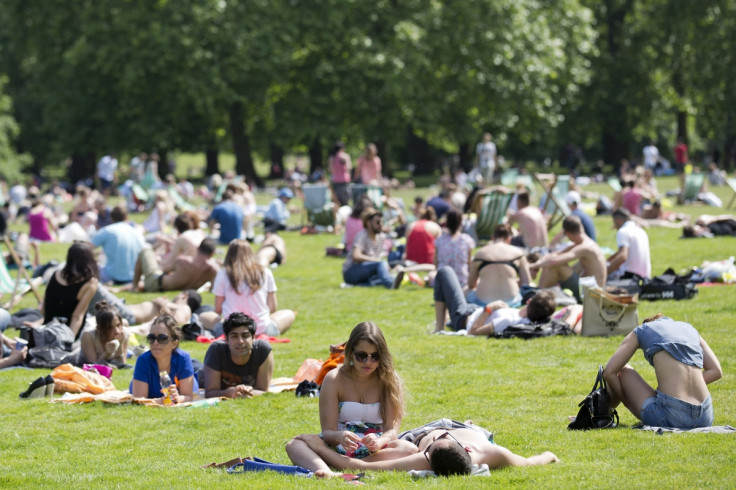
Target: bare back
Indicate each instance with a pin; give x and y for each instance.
(680, 380)
(190, 273)
(498, 280)
(592, 260)
(532, 226)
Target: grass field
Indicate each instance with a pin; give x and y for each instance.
(521, 390)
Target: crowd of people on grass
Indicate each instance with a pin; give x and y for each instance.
(481, 286)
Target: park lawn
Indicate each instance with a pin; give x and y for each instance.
(521, 390)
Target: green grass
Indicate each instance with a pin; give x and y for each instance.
(521, 390)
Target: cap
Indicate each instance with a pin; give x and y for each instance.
(287, 193)
(573, 197)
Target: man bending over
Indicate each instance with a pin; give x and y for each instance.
(186, 273)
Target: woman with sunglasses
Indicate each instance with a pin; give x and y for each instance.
(244, 285)
(361, 404)
(164, 355)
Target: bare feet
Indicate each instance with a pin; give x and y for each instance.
(325, 474)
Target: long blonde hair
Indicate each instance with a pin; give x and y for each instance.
(241, 266)
(390, 391)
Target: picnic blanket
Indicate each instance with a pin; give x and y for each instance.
(71, 379)
(715, 429)
(116, 397)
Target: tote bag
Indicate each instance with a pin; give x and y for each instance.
(606, 314)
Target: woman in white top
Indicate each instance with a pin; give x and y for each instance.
(361, 404)
(244, 285)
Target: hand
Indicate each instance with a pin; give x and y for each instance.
(243, 391)
(18, 355)
(370, 441)
(173, 393)
(112, 346)
(349, 441)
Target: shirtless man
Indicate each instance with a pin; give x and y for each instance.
(532, 225)
(444, 446)
(186, 273)
(272, 251)
(186, 243)
(555, 266)
(496, 271)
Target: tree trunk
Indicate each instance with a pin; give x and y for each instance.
(315, 156)
(277, 162)
(418, 153)
(241, 145)
(81, 168)
(465, 157)
(212, 156)
(679, 85)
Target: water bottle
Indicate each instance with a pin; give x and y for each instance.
(165, 383)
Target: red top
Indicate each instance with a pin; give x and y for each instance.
(420, 244)
(681, 153)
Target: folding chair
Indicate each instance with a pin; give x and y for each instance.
(490, 207)
(555, 205)
(614, 184)
(373, 191)
(179, 202)
(732, 184)
(318, 204)
(19, 286)
(691, 188)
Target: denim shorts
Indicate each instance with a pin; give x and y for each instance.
(663, 410)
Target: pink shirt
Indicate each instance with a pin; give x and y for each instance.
(340, 166)
(353, 226)
(252, 303)
(370, 169)
(39, 227)
(631, 200)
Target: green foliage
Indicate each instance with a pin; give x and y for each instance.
(522, 390)
(11, 163)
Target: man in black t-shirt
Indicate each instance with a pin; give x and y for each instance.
(239, 366)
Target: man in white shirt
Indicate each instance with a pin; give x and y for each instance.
(486, 157)
(107, 173)
(633, 248)
(651, 155)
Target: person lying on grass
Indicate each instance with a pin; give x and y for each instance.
(361, 404)
(164, 355)
(446, 447)
(496, 316)
(684, 365)
(239, 366)
(107, 344)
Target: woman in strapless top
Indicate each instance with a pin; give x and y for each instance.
(361, 404)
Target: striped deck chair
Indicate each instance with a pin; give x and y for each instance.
(179, 202)
(491, 209)
(732, 184)
(693, 185)
(16, 288)
(614, 183)
(318, 204)
(373, 191)
(555, 205)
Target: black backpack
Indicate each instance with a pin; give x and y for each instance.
(533, 330)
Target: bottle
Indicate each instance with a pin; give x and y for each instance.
(165, 383)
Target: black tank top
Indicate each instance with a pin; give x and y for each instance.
(59, 300)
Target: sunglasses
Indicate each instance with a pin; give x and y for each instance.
(446, 435)
(161, 338)
(364, 356)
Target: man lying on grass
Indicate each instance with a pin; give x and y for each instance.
(444, 446)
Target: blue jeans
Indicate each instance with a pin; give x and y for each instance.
(447, 289)
(662, 410)
(369, 274)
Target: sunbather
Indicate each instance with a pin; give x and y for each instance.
(444, 446)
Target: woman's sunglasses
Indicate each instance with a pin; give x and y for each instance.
(364, 356)
(161, 338)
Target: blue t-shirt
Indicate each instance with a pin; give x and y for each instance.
(121, 244)
(587, 222)
(678, 339)
(440, 206)
(230, 216)
(146, 370)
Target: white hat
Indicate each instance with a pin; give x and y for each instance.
(573, 197)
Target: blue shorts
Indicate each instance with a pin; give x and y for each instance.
(662, 410)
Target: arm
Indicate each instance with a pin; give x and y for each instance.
(212, 385)
(88, 349)
(263, 378)
(328, 414)
(219, 300)
(616, 363)
(359, 256)
(617, 259)
(473, 274)
(711, 367)
(15, 357)
(525, 275)
(184, 390)
(271, 300)
(83, 298)
(176, 249)
(140, 389)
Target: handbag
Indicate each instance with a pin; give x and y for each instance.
(595, 410)
(607, 314)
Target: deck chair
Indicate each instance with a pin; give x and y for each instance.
(614, 183)
(179, 202)
(511, 178)
(732, 184)
(692, 187)
(491, 208)
(555, 205)
(373, 191)
(319, 205)
(18, 287)
(508, 177)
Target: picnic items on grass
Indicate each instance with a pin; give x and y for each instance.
(606, 314)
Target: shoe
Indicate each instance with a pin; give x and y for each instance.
(37, 389)
(415, 279)
(397, 280)
(345, 285)
(50, 385)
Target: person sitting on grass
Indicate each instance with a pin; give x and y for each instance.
(361, 404)
(9, 354)
(494, 317)
(364, 265)
(108, 343)
(239, 366)
(445, 446)
(684, 365)
(164, 355)
(186, 273)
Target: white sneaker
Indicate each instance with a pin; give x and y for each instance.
(346, 285)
